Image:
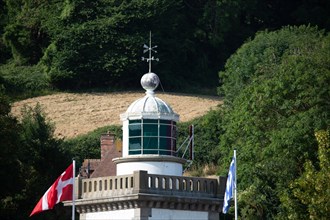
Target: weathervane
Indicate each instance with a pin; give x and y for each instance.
(149, 48)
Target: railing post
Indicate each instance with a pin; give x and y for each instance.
(78, 188)
(221, 186)
(140, 181)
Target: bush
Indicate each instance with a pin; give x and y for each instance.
(88, 145)
(24, 80)
(206, 137)
(277, 92)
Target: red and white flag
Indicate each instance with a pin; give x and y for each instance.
(61, 190)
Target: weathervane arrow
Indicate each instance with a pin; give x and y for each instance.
(149, 48)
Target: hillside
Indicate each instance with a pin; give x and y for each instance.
(75, 114)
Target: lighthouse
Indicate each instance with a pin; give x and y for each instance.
(149, 131)
(149, 135)
(148, 183)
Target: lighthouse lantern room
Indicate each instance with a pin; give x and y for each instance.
(149, 134)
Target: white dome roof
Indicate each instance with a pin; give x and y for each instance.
(149, 106)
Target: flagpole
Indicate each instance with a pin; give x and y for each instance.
(235, 188)
(231, 189)
(73, 189)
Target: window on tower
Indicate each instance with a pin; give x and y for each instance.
(152, 136)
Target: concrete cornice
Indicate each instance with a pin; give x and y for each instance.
(144, 158)
(142, 200)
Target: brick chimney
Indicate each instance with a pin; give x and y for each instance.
(107, 144)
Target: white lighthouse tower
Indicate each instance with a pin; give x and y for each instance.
(149, 184)
(149, 135)
(149, 131)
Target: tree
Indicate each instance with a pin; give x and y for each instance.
(43, 156)
(86, 44)
(4, 51)
(31, 159)
(207, 130)
(100, 43)
(10, 172)
(276, 90)
(27, 29)
(312, 187)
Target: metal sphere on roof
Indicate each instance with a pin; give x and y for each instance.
(150, 81)
(149, 107)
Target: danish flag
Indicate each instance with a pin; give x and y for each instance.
(61, 190)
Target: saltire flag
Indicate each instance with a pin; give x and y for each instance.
(61, 190)
(230, 186)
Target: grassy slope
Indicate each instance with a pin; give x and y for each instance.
(79, 113)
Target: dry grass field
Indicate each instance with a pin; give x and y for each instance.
(79, 113)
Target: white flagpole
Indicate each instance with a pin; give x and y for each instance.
(73, 190)
(235, 188)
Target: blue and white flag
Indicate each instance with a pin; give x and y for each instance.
(230, 186)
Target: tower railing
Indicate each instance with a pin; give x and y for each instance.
(142, 182)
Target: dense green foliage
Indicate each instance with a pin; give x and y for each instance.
(31, 159)
(80, 44)
(88, 145)
(43, 158)
(312, 187)
(207, 130)
(276, 96)
(23, 81)
(276, 89)
(8, 159)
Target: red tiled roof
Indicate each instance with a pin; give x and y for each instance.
(106, 167)
(93, 164)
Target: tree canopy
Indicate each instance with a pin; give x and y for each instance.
(29, 154)
(79, 44)
(276, 89)
(312, 187)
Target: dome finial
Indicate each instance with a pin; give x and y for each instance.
(150, 82)
(149, 48)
